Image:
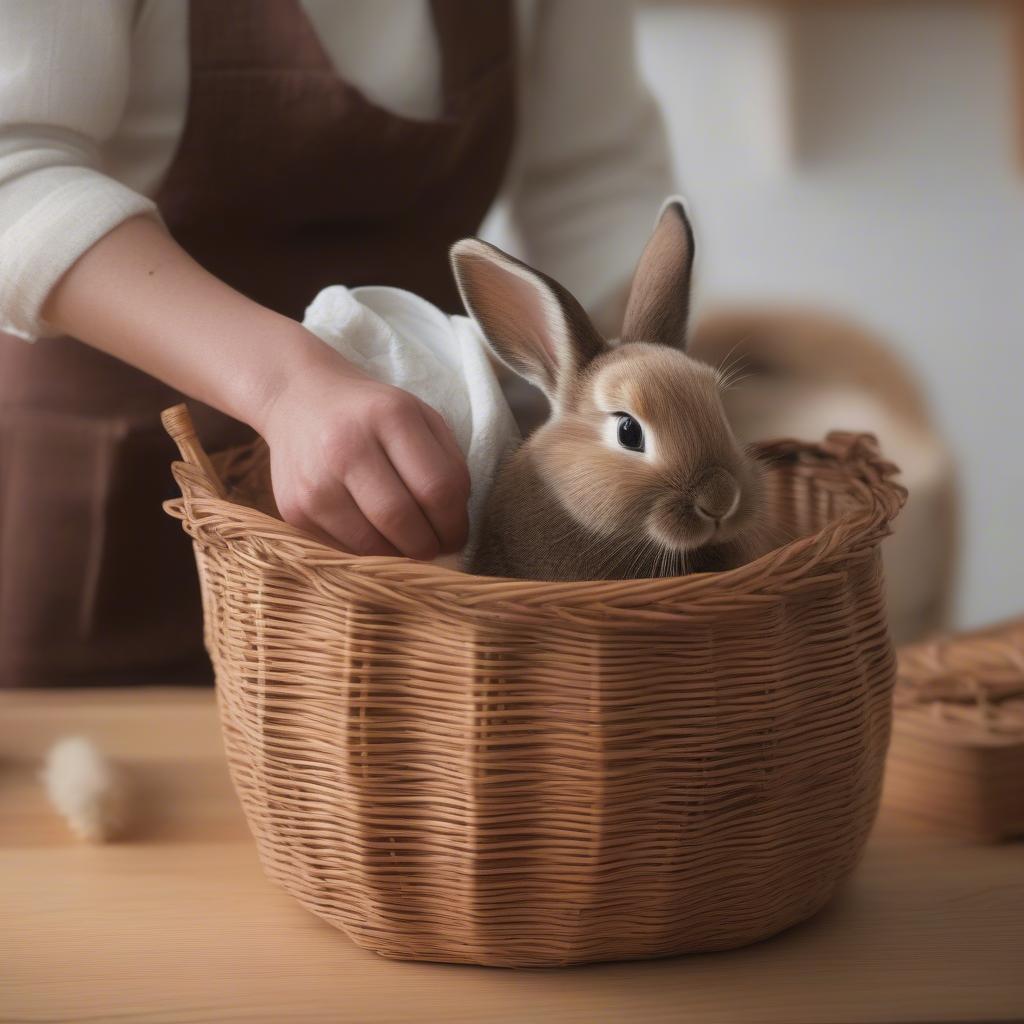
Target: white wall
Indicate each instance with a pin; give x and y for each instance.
(861, 158)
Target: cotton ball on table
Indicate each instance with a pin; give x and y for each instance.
(85, 788)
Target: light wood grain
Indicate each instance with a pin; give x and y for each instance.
(179, 924)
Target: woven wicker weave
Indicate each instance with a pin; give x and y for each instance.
(957, 757)
(526, 773)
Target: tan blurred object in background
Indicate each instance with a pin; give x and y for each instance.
(802, 374)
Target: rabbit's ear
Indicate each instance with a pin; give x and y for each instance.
(533, 324)
(659, 301)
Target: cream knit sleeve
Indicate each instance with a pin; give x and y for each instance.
(64, 76)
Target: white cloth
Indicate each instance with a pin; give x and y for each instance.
(93, 98)
(401, 339)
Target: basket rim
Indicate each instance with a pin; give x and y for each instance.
(257, 537)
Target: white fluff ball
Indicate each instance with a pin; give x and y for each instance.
(85, 788)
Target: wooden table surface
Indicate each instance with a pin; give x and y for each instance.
(178, 923)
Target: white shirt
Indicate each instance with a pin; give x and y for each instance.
(93, 97)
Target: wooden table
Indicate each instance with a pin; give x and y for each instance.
(179, 924)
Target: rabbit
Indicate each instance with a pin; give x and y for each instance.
(636, 473)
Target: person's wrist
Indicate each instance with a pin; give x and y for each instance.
(292, 359)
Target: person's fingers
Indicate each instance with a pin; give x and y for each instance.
(295, 514)
(342, 520)
(446, 437)
(386, 503)
(330, 514)
(437, 480)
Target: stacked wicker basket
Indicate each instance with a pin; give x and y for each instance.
(957, 757)
(527, 773)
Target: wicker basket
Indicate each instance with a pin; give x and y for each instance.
(957, 759)
(525, 773)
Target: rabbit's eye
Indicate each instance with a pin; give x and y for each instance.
(631, 434)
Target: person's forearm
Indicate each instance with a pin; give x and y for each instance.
(360, 463)
(139, 296)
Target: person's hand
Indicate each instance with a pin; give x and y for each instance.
(364, 465)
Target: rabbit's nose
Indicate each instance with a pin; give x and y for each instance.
(716, 495)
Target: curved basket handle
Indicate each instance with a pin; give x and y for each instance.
(178, 423)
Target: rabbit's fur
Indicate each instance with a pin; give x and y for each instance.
(574, 501)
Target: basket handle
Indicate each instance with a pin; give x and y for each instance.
(178, 423)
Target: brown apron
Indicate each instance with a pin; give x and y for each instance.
(287, 179)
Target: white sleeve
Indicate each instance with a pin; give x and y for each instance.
(64, 77)
(592, 165)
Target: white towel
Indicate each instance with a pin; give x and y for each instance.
(401, 339)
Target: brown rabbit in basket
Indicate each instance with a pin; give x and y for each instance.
(637, 472)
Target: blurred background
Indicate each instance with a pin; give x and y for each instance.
(867, 159)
